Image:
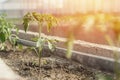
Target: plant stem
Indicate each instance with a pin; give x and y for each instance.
(115, 55)
(40, 30)
(39, 62)
(40, 66)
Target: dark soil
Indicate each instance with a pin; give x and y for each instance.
(25, 63)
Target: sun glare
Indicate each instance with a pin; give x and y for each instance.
(83, 6)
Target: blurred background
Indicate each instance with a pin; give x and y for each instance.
(78, 16)
(17, 8)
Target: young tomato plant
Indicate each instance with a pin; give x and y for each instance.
(41, 20)
(6, 33)
(114, 24)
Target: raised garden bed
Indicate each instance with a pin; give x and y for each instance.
(55, 66)
(25, 63)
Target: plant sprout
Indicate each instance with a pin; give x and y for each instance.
(41, 19)
(6, 34)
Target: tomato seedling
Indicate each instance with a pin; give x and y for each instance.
(41, 20)
(6, 34)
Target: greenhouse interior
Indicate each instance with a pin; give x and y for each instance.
(59, 40)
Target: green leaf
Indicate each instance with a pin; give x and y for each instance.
(40, 42)
(26, 19)
(48, 27)
(13, 39)
(51, 46)
(2, 37)
(26, 25)
(5, 31)
(20, 47)
(36, 51)
(70, 43)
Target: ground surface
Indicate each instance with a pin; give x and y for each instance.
(25, 63)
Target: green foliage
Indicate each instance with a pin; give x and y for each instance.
(2, 37)
(41, 20)
(49, 20)
(51, 44)
(40, 42)
(26, 20)
(6, 32)
(103, 77)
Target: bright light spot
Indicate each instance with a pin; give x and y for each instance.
(89, 23)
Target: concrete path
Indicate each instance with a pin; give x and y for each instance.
(6, 73)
